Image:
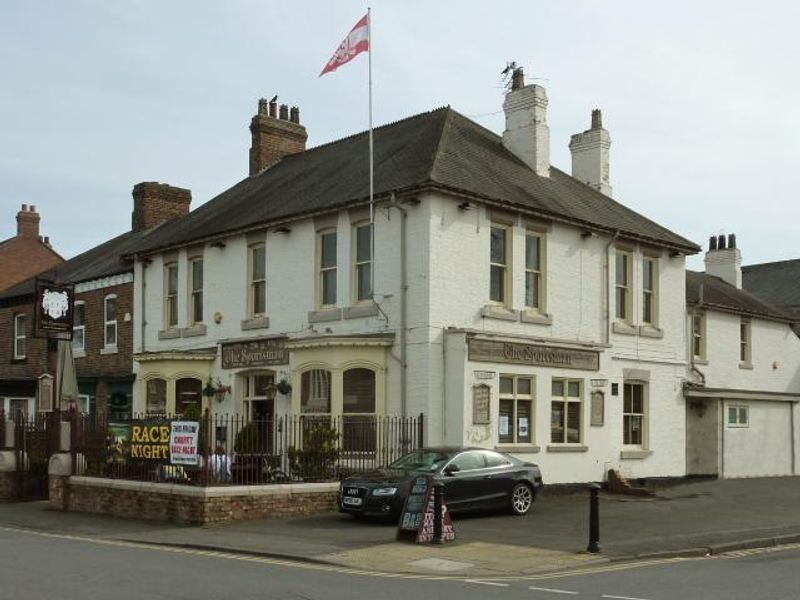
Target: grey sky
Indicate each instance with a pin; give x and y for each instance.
(701, 98)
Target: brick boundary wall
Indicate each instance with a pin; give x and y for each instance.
(187, 504)
(8, 487)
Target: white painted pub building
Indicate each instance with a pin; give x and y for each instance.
(514, 305)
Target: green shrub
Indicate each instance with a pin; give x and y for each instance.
(316, 459)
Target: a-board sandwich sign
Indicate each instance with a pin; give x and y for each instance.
(417, 517)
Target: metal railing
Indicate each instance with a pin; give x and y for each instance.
(237, 450)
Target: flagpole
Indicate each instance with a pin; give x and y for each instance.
(371, 172)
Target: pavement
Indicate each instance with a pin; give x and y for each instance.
(689, 519)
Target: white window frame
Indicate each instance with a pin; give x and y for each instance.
(568, 400)
(626, 286)
(256, 283)
(87, 400)
(323, 271)
(534, 273)
(20, 336)
(650, 296)
(516, 397)
(81, 328)
(698, 338)
(630, 415)
(107, 321)
(194, 293)
(170, 296)
(503, 266)
(745, 342)
(359, 265)
(741, 414)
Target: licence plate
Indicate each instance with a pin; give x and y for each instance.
(349, 501)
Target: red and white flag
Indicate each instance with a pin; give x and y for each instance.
(356, 42)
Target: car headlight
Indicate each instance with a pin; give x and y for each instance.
(385, 491)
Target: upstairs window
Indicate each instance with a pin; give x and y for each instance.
(533, 271)
(258, 280)
(745, 348)
(327, 269)
(623, 286)
(110, 313)
(171, 295)
(699, 335)
(363, 262)
(79, 327)
(498, 258)
(196, 290)
(649, 291)
(19, 336)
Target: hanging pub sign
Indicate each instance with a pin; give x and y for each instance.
(53, 310)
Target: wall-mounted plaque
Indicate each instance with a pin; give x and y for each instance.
(260, 353)
(533, 354)
(481, 401)
(598, 408)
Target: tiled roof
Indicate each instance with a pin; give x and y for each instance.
(715, 293)
(777, 282)
(441, 150)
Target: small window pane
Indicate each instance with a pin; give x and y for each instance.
(622, 305)
(328, 257)
(532, 289)
(111, 334)
(80, 314)
(523, 421)
(315, 396)
(506, 385)
(111, 309)
(78, 339)
(363, 243)
(574, 389)
(506, 433)
(573, 422)
(524, 386)
(742, 416)
(498, 245)
(359, 391)
(558, 388)
(329, 287)
(157, 396)
(532, 252)
(497, 291)
(557, 422)
(197, 307)
(172, 279)
(259, 262)
(364, 281)
(622, 268)
(259, 297)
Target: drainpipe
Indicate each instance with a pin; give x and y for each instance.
(403, 305)
(607, 285)
(144, 295)
(792, 406)
(692, 367)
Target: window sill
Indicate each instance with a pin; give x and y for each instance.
(700, 361)
(78, 353)
(255, 323)
(325, 315)
(518, 448)
(567, 448)
(19, 359)
(195, 330)
(535, 317)
(635, 454)
(361, 310)
(624, 328)
(169, 334)
(746, 365)
(109, 350)
(497, 311)
(651, 332)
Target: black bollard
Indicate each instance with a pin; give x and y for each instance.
(594, 519)
(438, 526)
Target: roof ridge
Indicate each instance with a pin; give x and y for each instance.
(357, 134)
(437, 150)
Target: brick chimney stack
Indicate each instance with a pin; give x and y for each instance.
(591, 155)
(527, 134)
(276, 132)
(155, 202)
(724, 260)
(28, 222)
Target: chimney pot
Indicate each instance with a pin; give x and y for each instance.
(32, 208)
(721, 242)
(732, 240)
(273, 109)
(294, 115)
(24, 208)
(283, 115)
(597, 119)
(517, 79)
(712, 242)
(262, 106)
(47, 241)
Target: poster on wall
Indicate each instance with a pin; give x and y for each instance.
(504, 425)
(183, 443)
(118, 442)
(149, 441)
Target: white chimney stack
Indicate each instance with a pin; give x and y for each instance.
(724, 260)
(527, 134)
(590, 155)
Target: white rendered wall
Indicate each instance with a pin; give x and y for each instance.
(763, 448)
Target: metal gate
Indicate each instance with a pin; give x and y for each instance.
(36, 439)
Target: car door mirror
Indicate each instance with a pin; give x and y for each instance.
(451, 469)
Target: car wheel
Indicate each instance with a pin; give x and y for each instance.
(521, 499)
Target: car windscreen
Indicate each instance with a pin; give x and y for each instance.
(421, 460)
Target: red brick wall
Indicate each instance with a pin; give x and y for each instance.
(33, 364)
(272, 139)
(22, 258)
(155, 202)
(189, 509)
(95, 363)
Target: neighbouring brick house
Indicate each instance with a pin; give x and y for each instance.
(103, 329)
(27, 253)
